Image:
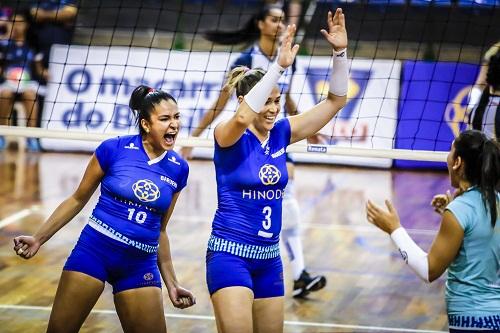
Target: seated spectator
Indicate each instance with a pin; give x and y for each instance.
(17, 66)
(53, 24)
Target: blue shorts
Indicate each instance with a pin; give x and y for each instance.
(263, 276)
(106, 259)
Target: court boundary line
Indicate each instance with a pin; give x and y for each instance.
(18, 216)
(212, 318)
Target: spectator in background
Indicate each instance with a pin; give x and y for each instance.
(17, 68)
(5, 22)
(53, 24)
(480, 83)
(486, 115)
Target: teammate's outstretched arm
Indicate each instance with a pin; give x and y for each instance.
(311, 121)
(229, 132)
(27, 246)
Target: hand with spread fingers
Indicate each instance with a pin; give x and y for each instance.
(337, 33)
(288, 52)
(440, 201)
(387, 221)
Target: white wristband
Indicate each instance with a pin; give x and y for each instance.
(340, 74)
(412, 254)
(258, 95)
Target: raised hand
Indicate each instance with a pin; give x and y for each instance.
(337, 34)
(288, 52)
(26, 246)
(181, 298)
(387, 221)
(440, 201)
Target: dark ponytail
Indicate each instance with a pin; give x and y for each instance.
(248, 34)
(493, 81)
(143, 100)
(478, 114)
(490, 180)
(493, 74)
(482, 166)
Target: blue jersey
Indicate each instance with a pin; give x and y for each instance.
(135, 191)
(251, 178)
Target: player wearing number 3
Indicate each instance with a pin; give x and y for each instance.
(244, 269)
(125, 241)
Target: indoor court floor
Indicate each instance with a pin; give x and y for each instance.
(369, 287)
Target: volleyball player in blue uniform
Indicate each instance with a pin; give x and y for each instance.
(468, 241)
(267, 27)
(244, 269)
(125, 242)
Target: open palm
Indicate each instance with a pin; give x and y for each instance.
(288, 52)
(337, 34)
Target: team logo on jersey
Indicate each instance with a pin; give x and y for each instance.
(269, 174)
(145, 190)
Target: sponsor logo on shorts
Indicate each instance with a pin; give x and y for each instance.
(148, 276)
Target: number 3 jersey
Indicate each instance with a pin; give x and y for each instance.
(251, 178)
(135, 191)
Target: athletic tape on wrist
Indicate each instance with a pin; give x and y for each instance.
(340, 74)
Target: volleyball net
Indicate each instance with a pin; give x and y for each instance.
(413, 64)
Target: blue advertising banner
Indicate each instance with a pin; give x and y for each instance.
(432, 107)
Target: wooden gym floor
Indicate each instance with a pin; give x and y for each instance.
(369, 287)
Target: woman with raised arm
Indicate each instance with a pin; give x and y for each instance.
(125, 242)
(265, 30)
(244, 269)
(468, 240)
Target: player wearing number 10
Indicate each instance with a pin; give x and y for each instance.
(125, 242)
(244, 269)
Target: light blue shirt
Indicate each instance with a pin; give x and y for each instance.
(473, 284)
